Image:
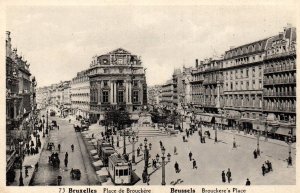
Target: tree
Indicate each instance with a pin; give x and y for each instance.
(117, 118)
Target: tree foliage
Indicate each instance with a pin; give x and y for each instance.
(117, 118)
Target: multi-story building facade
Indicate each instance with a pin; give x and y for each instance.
(117, 81)
(42, 97)
(207, 90)
(80, 94)
(243, 73)
(279, 82)
(154, 93)
(259, 87)
(167, 95)
(20, 103)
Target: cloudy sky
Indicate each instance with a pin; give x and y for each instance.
(60, 41)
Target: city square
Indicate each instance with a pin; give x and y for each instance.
(112, 114)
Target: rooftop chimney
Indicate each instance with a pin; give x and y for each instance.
(196, 63)
(280, 35)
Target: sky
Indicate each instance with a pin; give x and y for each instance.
(59, 41)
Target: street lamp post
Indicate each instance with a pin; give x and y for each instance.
(133, 140)
(163, 150)
(124, 143)
(216, 134)
(266, 131)
(146, 156)
(21, 183)
(289, 142)
(258, 136)
(43, 125)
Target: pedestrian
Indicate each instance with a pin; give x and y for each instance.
(248, 183)
(36, 166)
(58, 147)
(59, 178)
(183, 138)
(208, 134)
(223, 177)
(72, 147)
(263, 169)
(269, 166)
(138, 151)
(26, 172)
(190, 155)
(57, 127)
(228, 174)
(176, 166)
(255, 154)
(175, 150)
(66, 162)
(203, 139)
(160, 143)
(194, 164)
(66, 155)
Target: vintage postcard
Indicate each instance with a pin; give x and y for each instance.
(141, 97)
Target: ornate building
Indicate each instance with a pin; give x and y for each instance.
(117, 80)
(20, 105)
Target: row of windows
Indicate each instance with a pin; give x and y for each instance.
(243, 73)
(244, 85)
(120, 96)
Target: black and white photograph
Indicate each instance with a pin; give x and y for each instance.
(142, 95)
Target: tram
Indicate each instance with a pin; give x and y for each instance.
(104, 150)
(119, 170)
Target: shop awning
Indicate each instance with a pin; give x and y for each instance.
(283, 131)
(220, 120)
(247, 120)
(134, 117)
(258, 127)
(206, 119)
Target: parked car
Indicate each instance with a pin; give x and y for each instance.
(75, 174)
(52, 113)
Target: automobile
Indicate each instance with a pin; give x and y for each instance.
(75, 174)
(50, 145)
(84, 124)
(54, 123)
(52, 113)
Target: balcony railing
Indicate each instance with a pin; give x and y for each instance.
(280, 81)
(284, 94)
(213, 80)
(281, 109)
(288, 52)
(280, 69)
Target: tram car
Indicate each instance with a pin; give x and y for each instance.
(119, 170)
(104, 150)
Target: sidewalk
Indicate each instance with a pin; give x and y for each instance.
(30, 160)
(252, 136)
